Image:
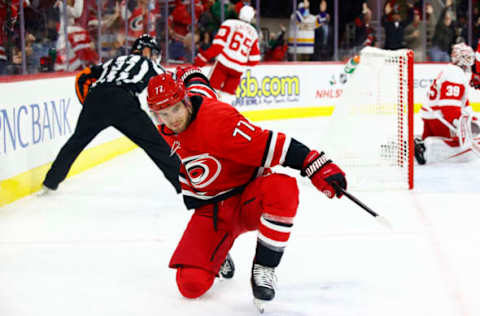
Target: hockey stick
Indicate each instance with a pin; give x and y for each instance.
(441, 119)
(380, 219)
(464, 132)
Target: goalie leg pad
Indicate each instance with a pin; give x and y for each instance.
(441, 149)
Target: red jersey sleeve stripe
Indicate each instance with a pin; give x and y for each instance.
(277, 148)
(271, 150)
(285, 147)
(277, 153)
(202, 89)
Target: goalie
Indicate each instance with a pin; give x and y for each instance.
(449, 126)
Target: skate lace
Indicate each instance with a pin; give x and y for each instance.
(264, 276)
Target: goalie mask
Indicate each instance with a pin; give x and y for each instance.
(462, 55)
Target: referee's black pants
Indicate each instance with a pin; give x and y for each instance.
(114, 106)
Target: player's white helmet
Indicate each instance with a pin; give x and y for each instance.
(246, 13)
(462, 55)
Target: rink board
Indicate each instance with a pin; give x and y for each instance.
(38, 115)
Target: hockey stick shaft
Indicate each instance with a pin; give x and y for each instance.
(380, 219)
(355, 200)
(466, 139)
(441, 119)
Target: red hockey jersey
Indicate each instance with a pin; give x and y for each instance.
(221, 151)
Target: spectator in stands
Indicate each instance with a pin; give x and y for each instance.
(444, 35)
(112, 27)
(207, 24)
(461, 28)
(228, 11)
(394, 30)
(277, 46)
(415, 35)
(180, 21)
(322, 33)
(302, 27)
(77, 43)
(240, 4)
(8, 17)
(476, 32)
(141, 19)
(364, 32)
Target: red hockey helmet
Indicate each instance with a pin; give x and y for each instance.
(164, 91)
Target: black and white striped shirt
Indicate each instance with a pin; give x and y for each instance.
(130, 71)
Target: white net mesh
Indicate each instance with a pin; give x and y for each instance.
(369, 133)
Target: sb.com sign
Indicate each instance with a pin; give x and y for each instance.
(285, 85)
(265, 89)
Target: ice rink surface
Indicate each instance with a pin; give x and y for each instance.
(100, 246)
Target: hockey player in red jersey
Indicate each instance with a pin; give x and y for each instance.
(446, 106)
(235, 47)
(226, 178)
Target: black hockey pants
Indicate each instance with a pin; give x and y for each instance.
(114, 106)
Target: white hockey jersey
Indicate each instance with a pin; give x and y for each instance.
(235, 45)
(448, 94)
(80, 52)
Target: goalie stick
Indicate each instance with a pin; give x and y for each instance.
(380, 219)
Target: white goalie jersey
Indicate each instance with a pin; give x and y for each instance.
(448, 95)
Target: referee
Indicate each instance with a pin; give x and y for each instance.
(109, 94)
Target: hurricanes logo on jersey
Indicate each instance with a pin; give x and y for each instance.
(202, 170)
(136, 24)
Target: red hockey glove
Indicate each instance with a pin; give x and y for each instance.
(200, 61)
(184, 73)
(324, 173)
(475, 81)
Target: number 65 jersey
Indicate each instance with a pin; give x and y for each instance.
(235, 45)
(448, 94)
(221, 151)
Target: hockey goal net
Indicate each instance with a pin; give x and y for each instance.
(371, 130)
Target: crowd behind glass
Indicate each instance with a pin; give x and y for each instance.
(67, 35)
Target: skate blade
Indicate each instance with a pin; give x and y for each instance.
(260, 305)
(43, 192)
